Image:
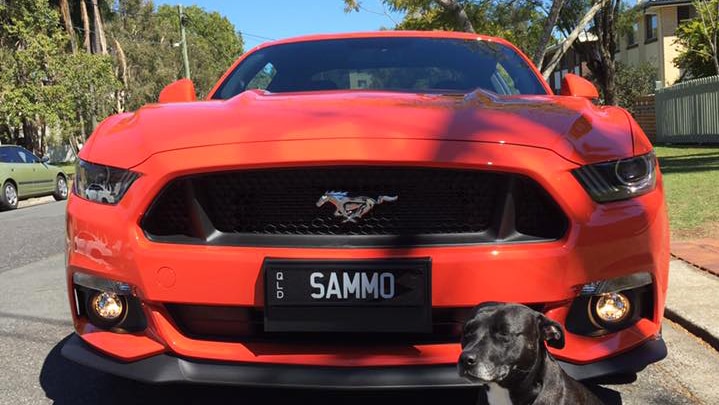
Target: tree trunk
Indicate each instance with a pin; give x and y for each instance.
(85, 26)
(567, 43)
(459, 13)
(547, 32)
(67, 19)
(100, 40)
(121, 94)
(606, 69)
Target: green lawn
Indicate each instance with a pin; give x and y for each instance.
(691, 182)
(68, 168)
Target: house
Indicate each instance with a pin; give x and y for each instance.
(652, 38)
(571, 62)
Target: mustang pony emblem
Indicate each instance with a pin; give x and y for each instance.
(352, 208)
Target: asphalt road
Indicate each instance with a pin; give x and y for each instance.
(35, 321)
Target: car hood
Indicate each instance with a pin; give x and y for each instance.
(571, 127)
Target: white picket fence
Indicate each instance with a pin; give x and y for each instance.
(689, 112)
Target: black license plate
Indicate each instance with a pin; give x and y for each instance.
(347, 296)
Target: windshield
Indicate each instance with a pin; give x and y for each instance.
(417, 65)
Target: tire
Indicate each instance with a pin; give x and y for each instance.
(61, 188)
(8, 196)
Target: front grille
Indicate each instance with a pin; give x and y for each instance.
(246, 324)
(278, 207)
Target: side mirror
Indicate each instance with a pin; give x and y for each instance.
(577, 86)
(45, 159)
(180, 91)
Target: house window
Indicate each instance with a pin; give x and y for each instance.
(632, 35)
(650, 24)
(685, 13)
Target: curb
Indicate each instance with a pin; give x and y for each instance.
(691, 301)
(693, 328)
(31, 202)
(694, 264)
(700, 253)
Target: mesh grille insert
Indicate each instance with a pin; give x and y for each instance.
(278, 207)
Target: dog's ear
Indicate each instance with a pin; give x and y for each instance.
(551, 332)
(486, 305)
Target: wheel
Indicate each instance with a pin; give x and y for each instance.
(8, 196)
(60, 189)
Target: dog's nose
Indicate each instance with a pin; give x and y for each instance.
(468, 359)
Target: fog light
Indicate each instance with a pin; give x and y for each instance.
(106, 309)
(612, 308)
(107, 306)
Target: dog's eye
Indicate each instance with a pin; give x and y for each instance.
(500, 331)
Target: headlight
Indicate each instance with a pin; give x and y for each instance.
(102, 184)
(620, 179)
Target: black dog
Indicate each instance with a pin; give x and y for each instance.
(503, 348)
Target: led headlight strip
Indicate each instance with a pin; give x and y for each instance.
(102, 184)
(619, 179)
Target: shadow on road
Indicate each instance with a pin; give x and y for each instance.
(68, 383)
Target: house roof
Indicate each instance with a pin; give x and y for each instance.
(656, 3)
(584, 36)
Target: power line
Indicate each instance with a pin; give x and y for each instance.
(256, 36)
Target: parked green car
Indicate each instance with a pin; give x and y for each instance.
(24, 175)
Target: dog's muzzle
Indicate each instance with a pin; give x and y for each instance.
(471, 368)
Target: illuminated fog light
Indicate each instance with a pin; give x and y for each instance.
(107, 306)
(612, 307)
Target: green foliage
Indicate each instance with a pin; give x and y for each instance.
(45, 89)
(518, 21)
(632, 82)
(149, 40)
(41, 86)
(698, 37)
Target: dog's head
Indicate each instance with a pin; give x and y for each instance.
(501, 341)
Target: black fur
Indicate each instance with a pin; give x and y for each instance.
(505, 344)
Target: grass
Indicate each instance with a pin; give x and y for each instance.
(691, 184)
(68, 168)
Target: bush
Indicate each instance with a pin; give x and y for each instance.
(632, 82)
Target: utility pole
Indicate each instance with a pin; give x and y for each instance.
(185, 59)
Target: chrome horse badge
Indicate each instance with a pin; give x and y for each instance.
(352, 208)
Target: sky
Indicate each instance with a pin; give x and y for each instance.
(262, 20)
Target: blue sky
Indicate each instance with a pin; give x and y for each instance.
(259, 20)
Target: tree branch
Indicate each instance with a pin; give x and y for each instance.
(459, 13)
(567, 43)
(547, 32)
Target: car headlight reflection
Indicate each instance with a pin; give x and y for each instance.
(102, 184)
(620, 179)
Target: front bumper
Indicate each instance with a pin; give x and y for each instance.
(603, 242)
(164, 368)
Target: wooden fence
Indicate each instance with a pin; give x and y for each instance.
(689, 112)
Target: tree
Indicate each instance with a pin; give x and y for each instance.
(600, 50)
(52, 88)
(143, 45)
(100, 40)
(546, 37)
(567, 23)
(522, 22)
(633, 82)
(699, 38)
(514, 20)
(67, 21)
(42, 86)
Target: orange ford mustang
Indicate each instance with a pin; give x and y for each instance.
(330, 213)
